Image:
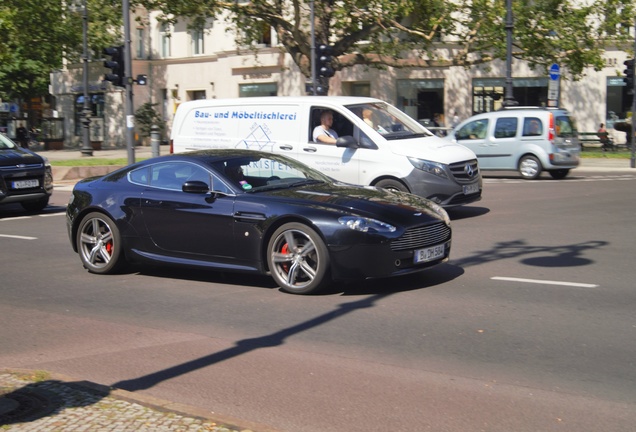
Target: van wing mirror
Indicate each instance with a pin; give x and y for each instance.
(346, 141)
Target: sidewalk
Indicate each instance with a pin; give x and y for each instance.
(64, 174)
(41, 402)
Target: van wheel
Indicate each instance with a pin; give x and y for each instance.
(529, 167)
(559, 174)
(392, 185)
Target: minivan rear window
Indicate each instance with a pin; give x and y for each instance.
(564, 126)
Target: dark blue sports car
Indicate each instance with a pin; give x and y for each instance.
(249, 211)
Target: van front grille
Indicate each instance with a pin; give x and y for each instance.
(465, 172)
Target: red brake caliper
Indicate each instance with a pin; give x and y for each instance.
(285, 250)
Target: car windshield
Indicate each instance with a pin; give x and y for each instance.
(389, 121)
(262, 172)
(6, 143)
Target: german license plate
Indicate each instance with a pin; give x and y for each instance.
(25, 184)
(471, 189)
(429, 254)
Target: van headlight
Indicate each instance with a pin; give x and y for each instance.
(363, 224)
(434, 168)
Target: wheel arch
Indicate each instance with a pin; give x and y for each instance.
(393, 178)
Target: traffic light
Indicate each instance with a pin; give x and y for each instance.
(116, 64)
(323, 61)
(629, 74)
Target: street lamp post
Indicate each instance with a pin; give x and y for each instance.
(87, 150)
(509, 99)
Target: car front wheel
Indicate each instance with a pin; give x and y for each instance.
(298, 259)
(392, 185)
(35, 206)
(99, 243)
(529, 167)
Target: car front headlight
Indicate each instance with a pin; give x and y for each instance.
(434, 168)
(363, 224)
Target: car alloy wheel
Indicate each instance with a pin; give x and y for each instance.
(99, 243)
(298, 259)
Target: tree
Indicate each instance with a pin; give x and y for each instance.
(423, 33)
(39, 35)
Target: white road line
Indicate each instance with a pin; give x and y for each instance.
(18, 237)
(15, 218)
(546, 282)
(51, 214)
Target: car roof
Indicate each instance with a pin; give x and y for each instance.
(268, 100)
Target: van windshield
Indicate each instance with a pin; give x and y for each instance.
(389, 121)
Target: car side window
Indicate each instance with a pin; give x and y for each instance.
(140, 176)
(172, 175)
(506, 127)
(532, 126)
(474, 130)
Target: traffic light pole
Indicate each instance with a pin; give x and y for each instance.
(632, 141)
(130, 117)
(87, 149)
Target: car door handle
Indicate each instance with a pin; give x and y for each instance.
(310, 149)
(286, 147)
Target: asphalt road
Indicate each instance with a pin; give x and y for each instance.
(530, 327)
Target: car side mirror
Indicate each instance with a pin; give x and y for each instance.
(346, 141)
(196, 187)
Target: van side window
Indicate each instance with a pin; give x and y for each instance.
(341, 124)
(506, 127)
(474, 130)
(532, 127)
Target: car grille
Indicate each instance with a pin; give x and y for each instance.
(462, 174)
(417, 238)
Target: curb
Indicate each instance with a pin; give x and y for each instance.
(156, 404)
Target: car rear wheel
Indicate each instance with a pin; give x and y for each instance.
(35, 206)
(559, 174)
(99, 243)
(298, 259)
(529, 167)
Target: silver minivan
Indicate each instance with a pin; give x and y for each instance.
(524, 139)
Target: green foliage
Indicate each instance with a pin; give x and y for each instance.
(37, 35)
(423, 33)
(146, 116)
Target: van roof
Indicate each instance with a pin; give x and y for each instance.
(316, 100)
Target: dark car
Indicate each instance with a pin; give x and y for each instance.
(250, 211)
(25, 176)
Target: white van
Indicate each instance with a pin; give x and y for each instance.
(388, 149)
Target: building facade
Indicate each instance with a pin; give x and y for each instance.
(184, 64)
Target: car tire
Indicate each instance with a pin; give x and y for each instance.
(559, 174)
(392, 185)
(529, 167)
(298, 259)
(35, 206)
(99, 244)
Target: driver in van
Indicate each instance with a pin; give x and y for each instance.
(323, 133)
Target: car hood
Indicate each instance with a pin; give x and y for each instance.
(432, 148)
(394, 207)
(18, 156)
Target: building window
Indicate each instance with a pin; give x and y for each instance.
(422, 100)
(141, 52)
(618, 102)
(196, 36)
(164, 39)
(266, 35)
(488, 93)
(254, 90)
(196, 94)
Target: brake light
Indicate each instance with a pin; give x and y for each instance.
(171, 147)
(551, 127)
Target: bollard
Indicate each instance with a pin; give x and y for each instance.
(155, 138)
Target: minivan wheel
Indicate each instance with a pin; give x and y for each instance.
(529, 167)
(559, 174)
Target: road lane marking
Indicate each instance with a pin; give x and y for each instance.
(18, 237)
(51, 214)
(546, 282)
(16, 218)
